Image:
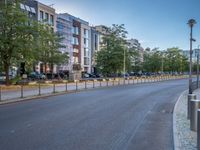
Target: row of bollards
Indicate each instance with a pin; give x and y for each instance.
(38, 90)
(193, 115)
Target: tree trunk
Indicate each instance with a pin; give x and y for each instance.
(45, 69)
(6, 68)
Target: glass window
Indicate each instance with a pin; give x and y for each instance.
(86, 61)
(28, 8)
(22, 6)
(41, 15)
(46, 17)
(52, 20)
(75, 41)
(33, 10)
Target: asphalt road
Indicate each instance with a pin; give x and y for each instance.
(131, 117)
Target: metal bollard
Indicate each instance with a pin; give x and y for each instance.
(39, 88)
(54, 88)
(93, 84)
(190, 97)
(119, 81)
(100, 83)
(106, 82)
(194, 106)
(0, 93)
(66, 87)
(85, 84)
(76, 86)
(198, 129)
(113, 82)
(22, 91)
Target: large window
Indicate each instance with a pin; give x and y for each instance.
(86, 61)
(86, 52)
(75, 41)
(86, 42)
(52, 20)
(41, 15)
(75, 30)
(46, 17)
(86, 33)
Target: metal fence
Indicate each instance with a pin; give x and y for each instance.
(35, 89)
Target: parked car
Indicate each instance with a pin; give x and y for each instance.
(36, 76)
(2, 76)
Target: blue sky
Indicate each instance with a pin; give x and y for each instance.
(155, 23)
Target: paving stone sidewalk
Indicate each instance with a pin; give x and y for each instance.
(184, 138)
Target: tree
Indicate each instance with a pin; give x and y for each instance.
(152, 60)
(175, 61)
(110, 58)
(15, 35)
(49, 44)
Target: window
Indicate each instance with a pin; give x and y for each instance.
(76, 50)
(33, 10)
(75, 41)
(41, 15)
(95, 41)
(75, 30)
(86, 52)
(52, 20)
(86, 33)
(46, 17)
(22, 6)
(86, 42)
(27, 8)
(86, 61)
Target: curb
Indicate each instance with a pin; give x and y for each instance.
(177, 144)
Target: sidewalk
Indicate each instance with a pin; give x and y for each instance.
(184, 138)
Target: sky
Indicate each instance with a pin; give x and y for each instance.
(155, 23)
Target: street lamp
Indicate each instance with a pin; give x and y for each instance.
(124, 64)
(191, 23)
(197, 52)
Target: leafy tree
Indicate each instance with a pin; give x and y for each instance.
(152, 60)
(110, 58)
(15, 35)
(134, 63)
(49, 44)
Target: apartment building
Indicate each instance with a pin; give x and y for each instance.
(77, 39)
(95, 47)
(64, 25)
(44, 14)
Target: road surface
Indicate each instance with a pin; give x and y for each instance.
(131, 117)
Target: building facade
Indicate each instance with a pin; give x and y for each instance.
(46, 15)
(77, 39)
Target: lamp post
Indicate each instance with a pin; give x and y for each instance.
(191, 23)
(124, 64)
(198, 66)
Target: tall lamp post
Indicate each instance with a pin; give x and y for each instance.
(191, 23)
(198, 66)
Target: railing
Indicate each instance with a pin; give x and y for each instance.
(36, 89)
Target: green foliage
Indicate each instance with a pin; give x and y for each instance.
(15, 34)
(23, 40)
(171, 60)
(110, 58)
